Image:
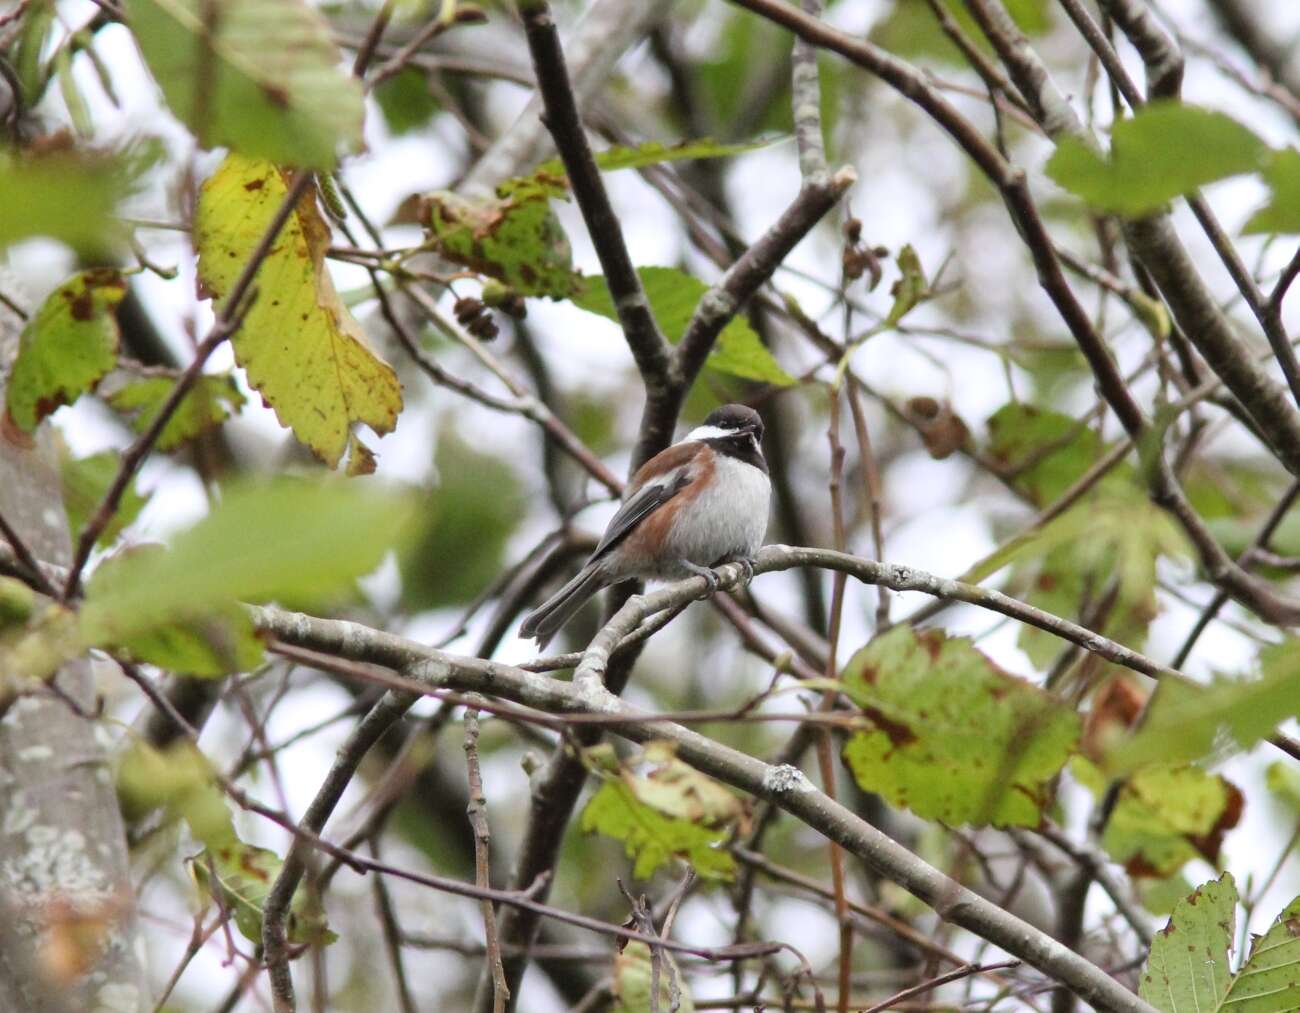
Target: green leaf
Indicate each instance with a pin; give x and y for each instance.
(1283, 780)
(179, 780)
(219, 643)
(301, 348)
(33, 38)
(1112, 539)
(513, 237)
(85, 483)
(952, 736)
(1190, 970)
(240, 877)
(66, 347)
(910, 289)
(1044, 452)
(911, 30)
(1282, 212)
(67, 194)
(405, 100)
(673, 296)
(657, 153)
(634, 976)
(290, 540)
(1188, 722)
(1166, 149)
(467, 520)
(264, 79)
(666, 811)
(209, 402)
(1165, 816)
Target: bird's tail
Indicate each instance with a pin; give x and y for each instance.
(543, 622)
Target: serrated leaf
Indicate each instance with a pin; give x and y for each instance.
(1111, 541)
(1165, 816)
(634, 976)
(209, 402)
(653, 839)
(85, 481)
(1188, 967)
(69, 194)
(1282, 212)
(1165, 149)
(66, 348)
(513, 237)
(240, 877)
(1188, 722)
(466, 521)
(673, 296)
(264, 79)
(951, 736)
(290, 540)
(302, 349)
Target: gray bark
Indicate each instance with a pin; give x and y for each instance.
(63, 853)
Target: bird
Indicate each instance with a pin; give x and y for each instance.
(700, 503)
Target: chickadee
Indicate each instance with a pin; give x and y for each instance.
(700, 503)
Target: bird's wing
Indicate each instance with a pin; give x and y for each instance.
(647, 499)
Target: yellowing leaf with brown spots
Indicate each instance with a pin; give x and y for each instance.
(301, 348)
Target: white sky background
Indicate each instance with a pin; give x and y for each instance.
(931, 520)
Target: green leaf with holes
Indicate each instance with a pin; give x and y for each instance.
(210, 401)
(513, 237)
(1166, 149)
(673, 297)
(1189, 969)
(86, 480)
(67, 346)
(950, 735)
(263, 78)
(1165, 815)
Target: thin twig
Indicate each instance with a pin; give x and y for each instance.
(477, 812)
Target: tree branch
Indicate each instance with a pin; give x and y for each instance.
(786, 787)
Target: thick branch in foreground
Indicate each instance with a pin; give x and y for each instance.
(784, 786)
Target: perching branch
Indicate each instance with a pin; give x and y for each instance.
(786, 787)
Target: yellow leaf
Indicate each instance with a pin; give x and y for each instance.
(301, 348)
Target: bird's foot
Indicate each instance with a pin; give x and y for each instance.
(710, 578)
(746, 565)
